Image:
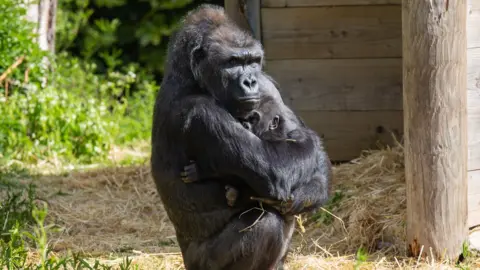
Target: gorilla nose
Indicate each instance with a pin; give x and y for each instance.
(249, 82)
(250, 86)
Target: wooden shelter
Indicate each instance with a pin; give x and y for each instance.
(358, 70)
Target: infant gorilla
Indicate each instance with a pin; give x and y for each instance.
(269, 124)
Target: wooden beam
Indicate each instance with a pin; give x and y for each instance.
(339, 84)
(346, 134)
(435, 125)
(332, 32)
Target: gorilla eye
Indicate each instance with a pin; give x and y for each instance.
(233, 61)
(257, 60)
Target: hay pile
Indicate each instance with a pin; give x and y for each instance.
(371, 207)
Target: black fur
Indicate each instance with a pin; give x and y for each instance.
(273, 121)
(211, 72)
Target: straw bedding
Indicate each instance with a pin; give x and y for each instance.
(117, 211)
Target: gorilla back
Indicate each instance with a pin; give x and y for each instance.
(211, 73)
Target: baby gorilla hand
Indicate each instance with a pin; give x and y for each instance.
(189, 173)
(231, 194)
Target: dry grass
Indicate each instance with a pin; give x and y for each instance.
(107, 210)
(371, 208)
(116, 211)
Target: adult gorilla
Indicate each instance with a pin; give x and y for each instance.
(213, 70)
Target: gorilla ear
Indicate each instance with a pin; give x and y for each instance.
(196, 54)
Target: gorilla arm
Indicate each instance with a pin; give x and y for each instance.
(212, 135)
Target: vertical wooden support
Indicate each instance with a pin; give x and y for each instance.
(246, 13)
(435, 123)
(236, 11)
(254, 18)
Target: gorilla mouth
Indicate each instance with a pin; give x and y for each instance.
(249, 99)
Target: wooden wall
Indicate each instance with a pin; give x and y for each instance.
(339, 67)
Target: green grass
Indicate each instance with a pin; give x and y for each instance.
(324, 217)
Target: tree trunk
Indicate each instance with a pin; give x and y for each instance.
(435, 122)
(44, 14)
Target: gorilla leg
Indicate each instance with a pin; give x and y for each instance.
(260, 247)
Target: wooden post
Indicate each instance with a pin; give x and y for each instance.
(435, 122)
(236, 11)
(246, 13)
(254, 18)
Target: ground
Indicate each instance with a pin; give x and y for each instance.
(113, 212)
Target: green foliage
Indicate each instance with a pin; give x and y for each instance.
(17, 39)
(325, 217)
(361, 257)
(77, 117)
(15, 215)
(136, 31)
(15, 208)
(136, 125)
(466, 252)
(48, 123)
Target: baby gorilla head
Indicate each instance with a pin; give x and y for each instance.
(252, 123)
(270, 121)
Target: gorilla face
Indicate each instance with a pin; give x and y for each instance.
(229, 64)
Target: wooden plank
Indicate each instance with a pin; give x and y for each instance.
(254, 18)
(435, 119)
(473, 24)
(473, 198)
(339, 84)
(332, 32)
(473, 101)
(311, 3)
(346, 134)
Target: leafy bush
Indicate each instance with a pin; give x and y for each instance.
(53, 122)
(136, 121)
(75, 118)
(17, 40)
(81, 111)
(135, 31)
